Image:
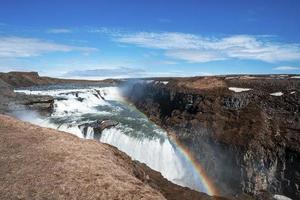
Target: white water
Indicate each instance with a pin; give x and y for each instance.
(159, 156)
(135, 134)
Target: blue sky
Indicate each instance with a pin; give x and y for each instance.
(139, 38)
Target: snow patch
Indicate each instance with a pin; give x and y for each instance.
(281, 197)
(161, 82)
(293, 92)
(277, 94)
(149, 81)
(295, 77)
(236, 89)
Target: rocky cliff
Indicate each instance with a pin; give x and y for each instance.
(11, 101)
(246, 138)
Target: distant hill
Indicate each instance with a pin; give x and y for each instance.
(27, 79)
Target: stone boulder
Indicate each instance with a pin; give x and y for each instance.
(98, 126)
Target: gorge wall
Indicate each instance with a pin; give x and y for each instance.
(246, 141)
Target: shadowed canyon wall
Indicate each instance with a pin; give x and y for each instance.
(246, 141)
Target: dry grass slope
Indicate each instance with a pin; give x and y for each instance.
(40, 163)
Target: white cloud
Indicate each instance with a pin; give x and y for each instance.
(160, 40)
(59, 30)
(286, 68)
(194, 48)
(13, 47)
(194, 56)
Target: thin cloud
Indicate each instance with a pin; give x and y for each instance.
(59, 30)
(286, 68)
(105, 30)
(194, 56)
(195, 48)
(125, 72)
(14, 47)
(107, 72)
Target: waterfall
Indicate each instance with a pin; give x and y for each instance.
(157, 154)
(135, 134)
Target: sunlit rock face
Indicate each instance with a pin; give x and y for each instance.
(247, 140)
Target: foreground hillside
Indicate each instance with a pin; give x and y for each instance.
(41, 163)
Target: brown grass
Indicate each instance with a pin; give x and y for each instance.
(41, 163)
(203, 83)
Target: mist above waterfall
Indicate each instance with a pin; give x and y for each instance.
(27, 115)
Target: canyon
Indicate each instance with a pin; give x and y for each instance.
(243, 130)
(38, 162)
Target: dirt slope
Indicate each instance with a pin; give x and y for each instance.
(40, 163)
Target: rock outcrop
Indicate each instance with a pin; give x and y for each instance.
(246, 141)
(97, 126)
(42, 163)
(43, 104)
(12, 102)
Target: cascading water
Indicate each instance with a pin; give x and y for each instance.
(134, 134)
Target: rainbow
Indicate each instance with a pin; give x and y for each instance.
(205, 180)
(209, 186)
